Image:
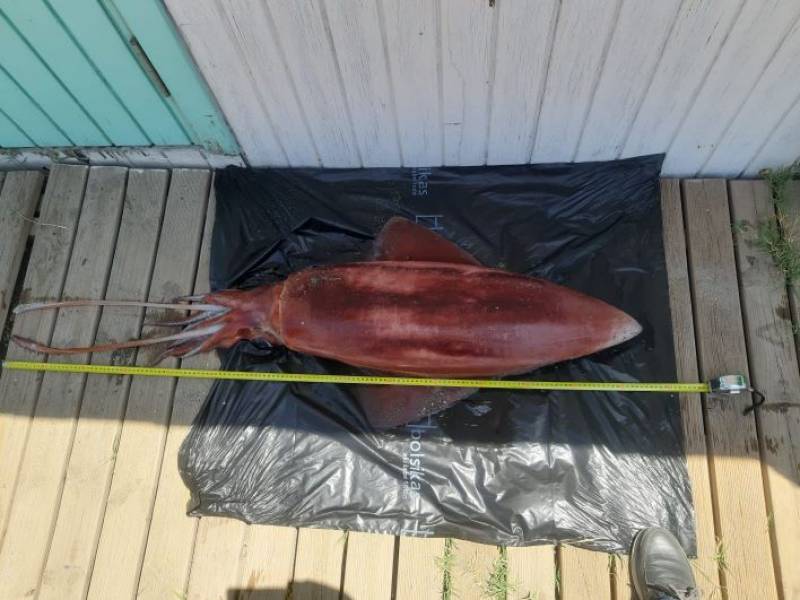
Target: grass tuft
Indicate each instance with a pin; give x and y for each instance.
(498, 585)
(719, 556)
(445, 563)
(780, 237)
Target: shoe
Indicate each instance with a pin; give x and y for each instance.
(660, 569)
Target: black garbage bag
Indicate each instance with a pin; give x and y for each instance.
(503, 467)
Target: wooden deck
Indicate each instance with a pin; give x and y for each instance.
(91, 503)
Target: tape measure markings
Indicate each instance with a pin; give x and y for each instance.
(503, 384)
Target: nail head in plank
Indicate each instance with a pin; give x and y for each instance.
(18, 201)
(773, 360)
(736, 470)
(532, 571)
(694, 438)
(584, 574)
(136, 471)
(419, 574)
(39, 486)
(47, 269)
(267, 561)
(168, 553)
(369, 565)
(318, 564)
(91, 462)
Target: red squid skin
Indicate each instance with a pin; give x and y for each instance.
(425, 318)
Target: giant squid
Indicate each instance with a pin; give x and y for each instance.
(419, 306)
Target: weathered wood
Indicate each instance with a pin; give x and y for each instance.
(532, 572)
(467, 74)
(371, 554)
(473, 564)
(706, 571)
(18, 201)
(699, 31)
(358, 43)
(301, 31)
(91, 461)
(750, 46)
(170, 539)
(419, 573)
(44, 278)
(774, 151)
(524, 41)
(266, 564)
(584, 574)
(39, 486)
(218, 56)
(217, 550)
(777, 91)
(582, 38)
(318, 564)
(141, 444)
(741, 510)
(247, 21)
(773, 360)
(621, 580)
(636, 46)
(413, 45)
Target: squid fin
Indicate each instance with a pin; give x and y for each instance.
(388, 406)
(402, 240)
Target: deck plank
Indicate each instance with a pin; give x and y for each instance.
(18, 201)
(419, 576)
(368, 553)
(771, 346)
(38, 493)
(472, 566)
(44, 278)
(267, 563)
(318, 564)
(91, 462)
(171, 537)
(532, 572)
(141, 445)
(215, 561)
(741, 511)
(694, 437)
(583, 574)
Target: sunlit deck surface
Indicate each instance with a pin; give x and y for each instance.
(91, 502)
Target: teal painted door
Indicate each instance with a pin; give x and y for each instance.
(101, 73)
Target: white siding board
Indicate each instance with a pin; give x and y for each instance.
(209, 40)
(774, 95)
(637, 45)
(525, 32)
(697, 36)
(782, 147)
(302, 35)
(581, 38)
(759, 30)
(426, 82)
(358, 44)
(466, 74)
(412, 42)
(251, 29)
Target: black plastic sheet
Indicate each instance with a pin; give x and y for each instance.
(513, 468)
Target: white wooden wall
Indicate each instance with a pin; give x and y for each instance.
(714, 83)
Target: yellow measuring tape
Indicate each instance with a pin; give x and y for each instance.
(500, 384)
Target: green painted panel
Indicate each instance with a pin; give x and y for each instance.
(152, 26)
(12, 136)
(35, 21)
(34, 77)
(27, 115)
(111, 54)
